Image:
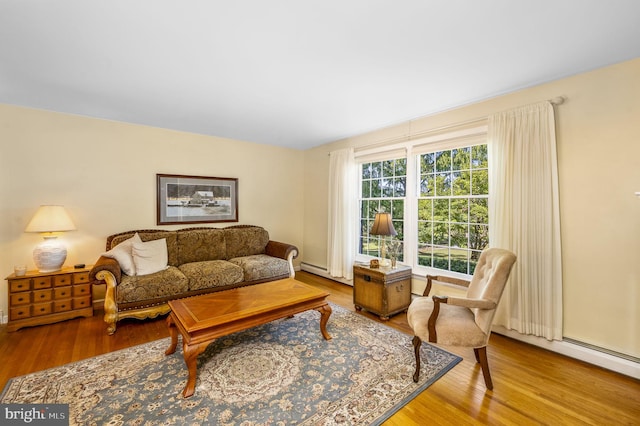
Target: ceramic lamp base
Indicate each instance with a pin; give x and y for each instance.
(49, 255)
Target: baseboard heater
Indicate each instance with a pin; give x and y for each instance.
(603, 350)
(317, 270)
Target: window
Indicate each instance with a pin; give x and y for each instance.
(437, 192)
(383, 189)
(452, 210)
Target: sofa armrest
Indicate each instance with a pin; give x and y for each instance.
(284, 251)
(281, 250)
(108, 271)
(106, 264)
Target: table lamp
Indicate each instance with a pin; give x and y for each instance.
(49, 255)
(383, 226)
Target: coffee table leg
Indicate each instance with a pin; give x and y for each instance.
(190, 358)
(173, 331)
(325, 312)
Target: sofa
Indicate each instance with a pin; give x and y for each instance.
(145, 269)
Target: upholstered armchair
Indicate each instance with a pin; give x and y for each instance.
(463, 321)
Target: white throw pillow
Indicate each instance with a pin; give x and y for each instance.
(123, 253)
(150, 256)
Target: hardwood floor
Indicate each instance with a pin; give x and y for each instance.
(531, 385)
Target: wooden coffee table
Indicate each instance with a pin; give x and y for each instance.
(202, 319)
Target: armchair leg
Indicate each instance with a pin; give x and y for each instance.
(481, 357)
(416, 348)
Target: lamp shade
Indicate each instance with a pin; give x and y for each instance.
(382, 225)
(50, 219)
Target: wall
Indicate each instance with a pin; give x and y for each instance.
(104, 173)
(598, 130)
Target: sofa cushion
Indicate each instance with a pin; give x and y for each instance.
(197, 245)
(261, 266)
(164, 284)
(211, 273)
(245, 240)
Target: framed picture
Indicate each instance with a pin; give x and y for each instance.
(196, 199)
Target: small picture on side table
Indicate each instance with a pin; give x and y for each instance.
(374, 264)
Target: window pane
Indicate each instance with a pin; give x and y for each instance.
(376, 191)
(441, 233)
(460, 210)
(443, 184)
(400, 186)
(397, 209)
(387, 187)
(441, 258)
(461, 158)
(460, 260)
(366, 189)
(424, 209)
(376, 170)
(478, 237)
(425, 257)
(366, 171)
(441, 209)
(479, 211)
(459, 235)
(425, 232)
(461, 183)
(373, 208)
(427, 188)
(479, 156)
(427, 162)
(480, 182)
(443, 161)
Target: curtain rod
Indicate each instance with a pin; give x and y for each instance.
(558, 100)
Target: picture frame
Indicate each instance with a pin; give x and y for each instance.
(196, 199)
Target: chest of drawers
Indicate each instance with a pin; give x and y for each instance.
(43, 298)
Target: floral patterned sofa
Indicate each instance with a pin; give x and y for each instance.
(144, 269)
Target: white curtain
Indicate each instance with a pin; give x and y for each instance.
(341, 241)
(524, 217)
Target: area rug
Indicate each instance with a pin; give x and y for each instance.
(281, 373)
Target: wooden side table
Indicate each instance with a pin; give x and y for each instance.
(44, 298)
(384, 291)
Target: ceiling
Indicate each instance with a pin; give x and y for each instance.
(296, 73)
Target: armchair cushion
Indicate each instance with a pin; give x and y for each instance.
(456, 325)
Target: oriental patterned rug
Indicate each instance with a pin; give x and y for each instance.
(281, 373)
